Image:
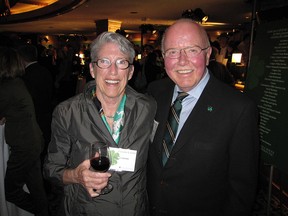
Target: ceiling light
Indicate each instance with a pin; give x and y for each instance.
(202, 17)
(197, 15)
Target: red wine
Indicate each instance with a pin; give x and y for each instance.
(100, 164)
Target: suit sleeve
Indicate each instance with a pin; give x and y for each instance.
(59, 148)
(243, 162)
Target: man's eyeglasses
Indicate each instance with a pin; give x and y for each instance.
(106, 63)
(189, 51)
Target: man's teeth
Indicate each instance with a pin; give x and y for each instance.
(112, 81)
(184, 71)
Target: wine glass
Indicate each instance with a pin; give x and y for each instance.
(100, 161)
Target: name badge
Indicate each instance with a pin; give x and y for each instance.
(122, 159)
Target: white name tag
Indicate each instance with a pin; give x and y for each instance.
(122, 159)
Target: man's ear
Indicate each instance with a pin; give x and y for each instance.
(208, 54)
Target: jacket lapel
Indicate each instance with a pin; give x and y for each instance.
(163, 98)
(199, 115)
(131, 114)
(99, 124)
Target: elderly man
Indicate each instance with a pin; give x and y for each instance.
(204, 159)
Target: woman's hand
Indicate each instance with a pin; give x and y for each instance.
(91, 180)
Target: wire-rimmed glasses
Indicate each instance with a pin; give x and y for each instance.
(174, 53)
(105, 63)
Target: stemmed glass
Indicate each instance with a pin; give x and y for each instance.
(100, 161)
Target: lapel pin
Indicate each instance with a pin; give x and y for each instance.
(210, 108)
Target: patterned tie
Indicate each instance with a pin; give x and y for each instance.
(172, 126)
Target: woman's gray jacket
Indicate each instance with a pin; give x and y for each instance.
(76, 124)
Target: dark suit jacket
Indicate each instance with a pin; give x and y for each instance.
(22, 132)
(38, 80)
(213, 166)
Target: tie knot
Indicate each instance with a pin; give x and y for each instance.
(181, 96)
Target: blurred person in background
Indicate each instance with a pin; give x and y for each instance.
(39, 82)
(23, 136)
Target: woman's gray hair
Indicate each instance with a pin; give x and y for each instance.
(125, 46)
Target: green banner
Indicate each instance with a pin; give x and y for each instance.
(267, 83)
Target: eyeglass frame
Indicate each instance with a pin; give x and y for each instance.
(96, 62)
(184, 49)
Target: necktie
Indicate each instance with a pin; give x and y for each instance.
(172, 126)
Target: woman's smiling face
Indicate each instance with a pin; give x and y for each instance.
(112, 81)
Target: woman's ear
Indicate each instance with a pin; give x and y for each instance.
(131, 71)
(91, 70)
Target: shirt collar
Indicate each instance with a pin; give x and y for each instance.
(197, 90)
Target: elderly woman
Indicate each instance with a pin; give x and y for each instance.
(108, 111)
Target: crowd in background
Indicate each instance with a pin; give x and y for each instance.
(224, 47)
(65, 65)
